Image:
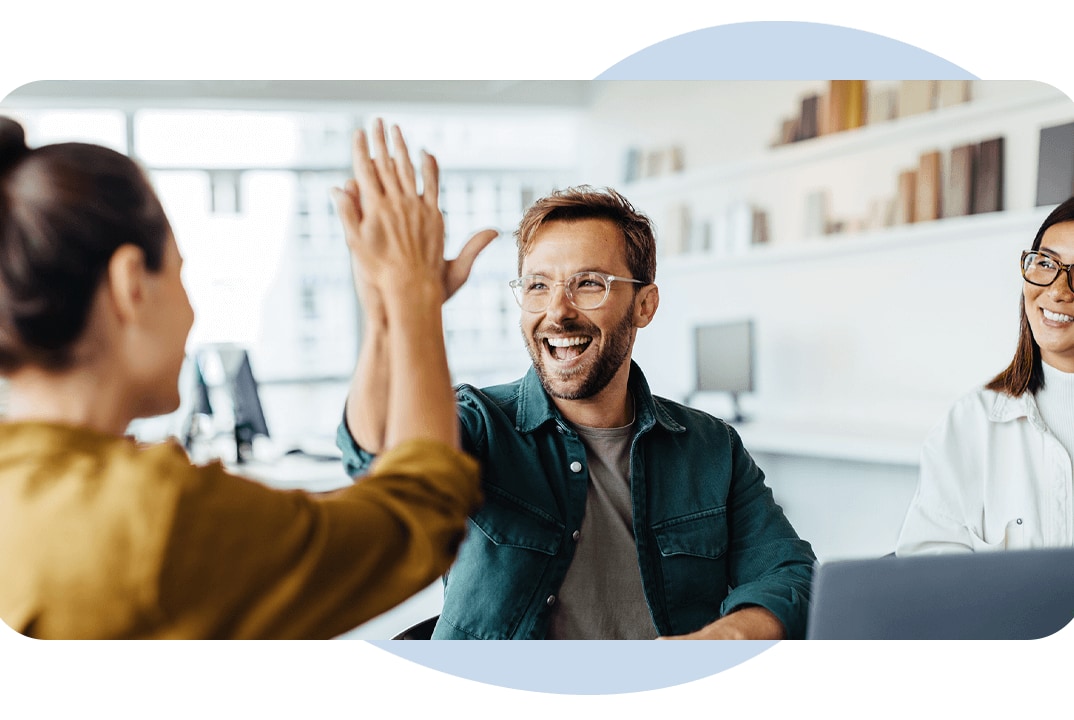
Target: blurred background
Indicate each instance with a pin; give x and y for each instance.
(837, 259)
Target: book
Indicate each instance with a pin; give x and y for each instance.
(788, 131)
(927, 194)
(952, 92)
(824, 119)
(905, 196)
(676, 159)
(958, 190)
(1055, 164)
(632, 171)
(988, 176)
(740, 229)
(807, 122)
(760, 227)
(676, 232)
(655, 163)
(915, 96)
(846, 104)
(855, 110)
(816, 213)
(881, 104)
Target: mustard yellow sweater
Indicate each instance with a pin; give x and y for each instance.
(101, 537)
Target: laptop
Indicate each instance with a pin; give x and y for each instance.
(1009, 595)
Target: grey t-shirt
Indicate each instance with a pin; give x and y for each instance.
(601, 597)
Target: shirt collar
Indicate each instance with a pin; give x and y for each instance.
(1006, 408)
(535, 407)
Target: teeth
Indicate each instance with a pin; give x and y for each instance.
(1056, 317)
(567, 342)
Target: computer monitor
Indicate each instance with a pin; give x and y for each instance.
(723, 354)
(195, 404)
(228, 369)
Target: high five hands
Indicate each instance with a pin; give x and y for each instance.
(395, 233)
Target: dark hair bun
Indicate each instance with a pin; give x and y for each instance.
(12, 143)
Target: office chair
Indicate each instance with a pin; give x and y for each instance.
(419, 631)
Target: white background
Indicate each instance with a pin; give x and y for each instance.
(485, 40)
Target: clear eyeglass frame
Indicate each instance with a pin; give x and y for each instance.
(1031, 259)
(586, 290)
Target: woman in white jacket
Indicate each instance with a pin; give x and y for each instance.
(996, 473)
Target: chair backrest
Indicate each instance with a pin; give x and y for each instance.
(419, 631)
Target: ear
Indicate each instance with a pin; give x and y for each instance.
(645, 305)
(127, 282)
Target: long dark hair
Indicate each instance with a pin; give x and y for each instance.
(1025, 372)
(64, 210)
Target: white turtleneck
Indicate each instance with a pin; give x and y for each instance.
(1056, 404)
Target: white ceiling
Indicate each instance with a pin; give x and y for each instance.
(289, 93)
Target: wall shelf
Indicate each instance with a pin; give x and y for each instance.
(1013, 223)
(848, 142)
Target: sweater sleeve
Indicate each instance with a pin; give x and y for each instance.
(247, 561)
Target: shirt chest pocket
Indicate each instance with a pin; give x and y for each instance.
(509, 525)
(693, 563)
(701, 534)
(501, 572)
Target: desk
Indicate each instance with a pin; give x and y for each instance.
(864, 442)
(844, 487)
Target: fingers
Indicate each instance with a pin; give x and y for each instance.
(364, 171)
(473, 247)
(382, 160)
(408, 181)
(347, 207)
(458, 270)
(430, 180)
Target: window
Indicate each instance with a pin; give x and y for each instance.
(265, 262)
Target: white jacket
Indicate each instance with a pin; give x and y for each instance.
(992, 477)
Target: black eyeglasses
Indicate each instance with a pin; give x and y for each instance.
(585, 290)
(1041, 268)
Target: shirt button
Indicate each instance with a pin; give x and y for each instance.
(551, 600)
(576, 534)
(576, 466)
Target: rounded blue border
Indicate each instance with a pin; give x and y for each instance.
(766, 50)
(779, 50)
(578, 667)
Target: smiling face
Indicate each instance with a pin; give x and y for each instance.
(578, 353)
(1050, 310)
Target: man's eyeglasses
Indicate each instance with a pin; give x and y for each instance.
(585, 290)
(1041, 268)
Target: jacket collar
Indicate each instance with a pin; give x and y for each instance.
(1006, 408)
(535, 407)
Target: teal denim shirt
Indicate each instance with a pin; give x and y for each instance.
(710, 538)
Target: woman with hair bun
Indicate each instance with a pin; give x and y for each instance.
(996, 473)
(103, 537)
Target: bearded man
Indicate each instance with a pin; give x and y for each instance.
(609, 513)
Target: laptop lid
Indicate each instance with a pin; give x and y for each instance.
(1011, 595)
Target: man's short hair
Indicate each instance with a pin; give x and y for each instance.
(583, 203)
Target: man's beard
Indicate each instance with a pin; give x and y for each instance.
(612, 356)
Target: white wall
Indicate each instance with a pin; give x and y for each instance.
(876, 332)
(861, 327)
